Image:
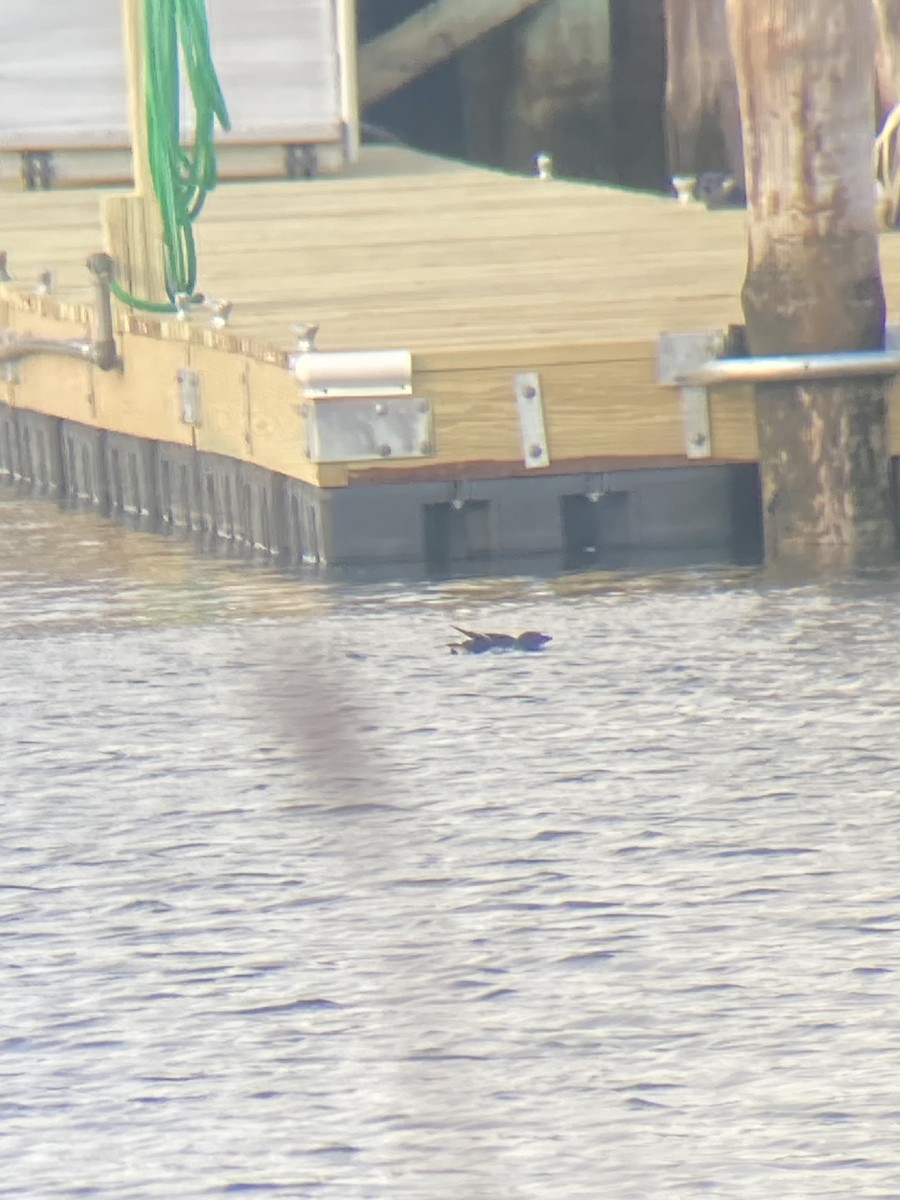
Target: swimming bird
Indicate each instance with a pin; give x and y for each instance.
(481, 643)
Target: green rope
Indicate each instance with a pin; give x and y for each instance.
(181, 178)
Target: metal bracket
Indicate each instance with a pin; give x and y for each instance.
(694, 362)
(189, 396)
(695, 422)
(301, 162)
(9, 367)
(98, 350)
(38, 170)
(360, 406)
(679, 355)
(527, 388)
(360, 430)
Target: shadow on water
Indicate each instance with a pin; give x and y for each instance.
(185, 576)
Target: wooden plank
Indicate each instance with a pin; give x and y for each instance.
(278, 429)
(251, 411)
(430, 256)
(142, 399)
(616, 409)
(479, 274)
(112, 168)
(488, 469)
(133, 39)
(133, 226)
(224, 427)
(529, 357)
(134, 239)
(732, 423)
(60, 387)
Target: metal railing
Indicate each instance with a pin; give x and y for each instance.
(100, 350)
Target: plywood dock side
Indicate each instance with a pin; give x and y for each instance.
(58, 387)
(613, 409)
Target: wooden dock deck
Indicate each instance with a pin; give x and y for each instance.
(410, 249)
(480, 275)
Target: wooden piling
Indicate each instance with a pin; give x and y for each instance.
(637, 37)
(703, 124)
(887, 55)
(543, 84)
(132, 224)
(813, 282)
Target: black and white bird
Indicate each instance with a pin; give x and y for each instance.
(481, 643)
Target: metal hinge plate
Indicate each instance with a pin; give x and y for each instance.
(189, 396)
(9, 371)
(363, 430)
(695, 416)
(38, 170)
(527, 388)
(677, 355)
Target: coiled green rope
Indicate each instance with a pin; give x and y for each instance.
(181, 177)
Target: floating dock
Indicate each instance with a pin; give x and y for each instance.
(483, 383)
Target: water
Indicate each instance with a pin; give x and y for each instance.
(295, 903)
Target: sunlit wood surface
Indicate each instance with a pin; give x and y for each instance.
(478, 273)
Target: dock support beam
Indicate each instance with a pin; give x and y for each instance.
(430, 36)
(133, 226)
(813, 282)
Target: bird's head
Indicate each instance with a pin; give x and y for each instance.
(532, 640)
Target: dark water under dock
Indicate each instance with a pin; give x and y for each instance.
(294, 903)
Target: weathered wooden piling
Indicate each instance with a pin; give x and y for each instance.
(887, 55)
(543, 83)
(703, 124)
(813, 282)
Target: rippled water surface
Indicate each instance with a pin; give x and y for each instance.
(295, 903)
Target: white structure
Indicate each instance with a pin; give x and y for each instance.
(287, 70)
